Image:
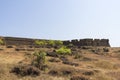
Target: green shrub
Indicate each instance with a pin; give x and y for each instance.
(48, 43)
(40, 42)
(39, 59)
(55, 43)
(1, 42)
(63, 51)
(51, 42)
(58, 42)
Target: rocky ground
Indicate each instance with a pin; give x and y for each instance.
(85, 63)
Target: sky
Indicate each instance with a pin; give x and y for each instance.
(61, 19)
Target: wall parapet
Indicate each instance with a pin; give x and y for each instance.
(88, 42)
(75, 42)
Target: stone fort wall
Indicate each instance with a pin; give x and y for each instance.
(88, 42)
(81, 42)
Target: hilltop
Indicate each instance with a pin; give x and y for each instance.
(84, 59)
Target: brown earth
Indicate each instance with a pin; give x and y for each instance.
(91, 63)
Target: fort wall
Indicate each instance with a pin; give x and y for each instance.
(75, 42)
(88, 42)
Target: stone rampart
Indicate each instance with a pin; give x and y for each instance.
(88, 42)
(75, 42)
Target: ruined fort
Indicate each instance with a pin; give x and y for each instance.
(88, 42)
(82, 42)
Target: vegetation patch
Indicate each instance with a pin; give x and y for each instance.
(52, 54)
(79, 77)
(46, 43)
(53, 72)
(88, 73)
(9, 46)
(60, 73)
(106, 50)
(71, 63)
(20, 49)
(41, 43)
(39, 59)
(26, 70)
(1, 42)
(63, 51)
(54, 60)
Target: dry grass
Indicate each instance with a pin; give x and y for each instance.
(102, 77)
(114, 74)
(91, 66)
(105, 65)
(4, 72)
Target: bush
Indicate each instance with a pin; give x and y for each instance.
(53, 72)
(54, 43)
(52, 54)
(63, 51)
(20, 49)
(40, 42)
(89, 73)
(1, 42)
(70, 63)
(58, 43)
(79, 77)
(9, 46)
(26, 70)
(63, 58)
(105, 49)
(51, 43)
(54, 60)
(60, 72)
(39, 59)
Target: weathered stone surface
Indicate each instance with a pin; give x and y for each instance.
(67, 42)
(31, 42)
(18, 41)
(88, 42)
(75, 42)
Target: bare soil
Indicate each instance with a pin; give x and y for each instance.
(90, 65)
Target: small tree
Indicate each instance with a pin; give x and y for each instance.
(39, 59)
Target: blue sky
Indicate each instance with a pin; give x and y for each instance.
(61, 19)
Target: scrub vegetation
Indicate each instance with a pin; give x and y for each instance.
(55, 61)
